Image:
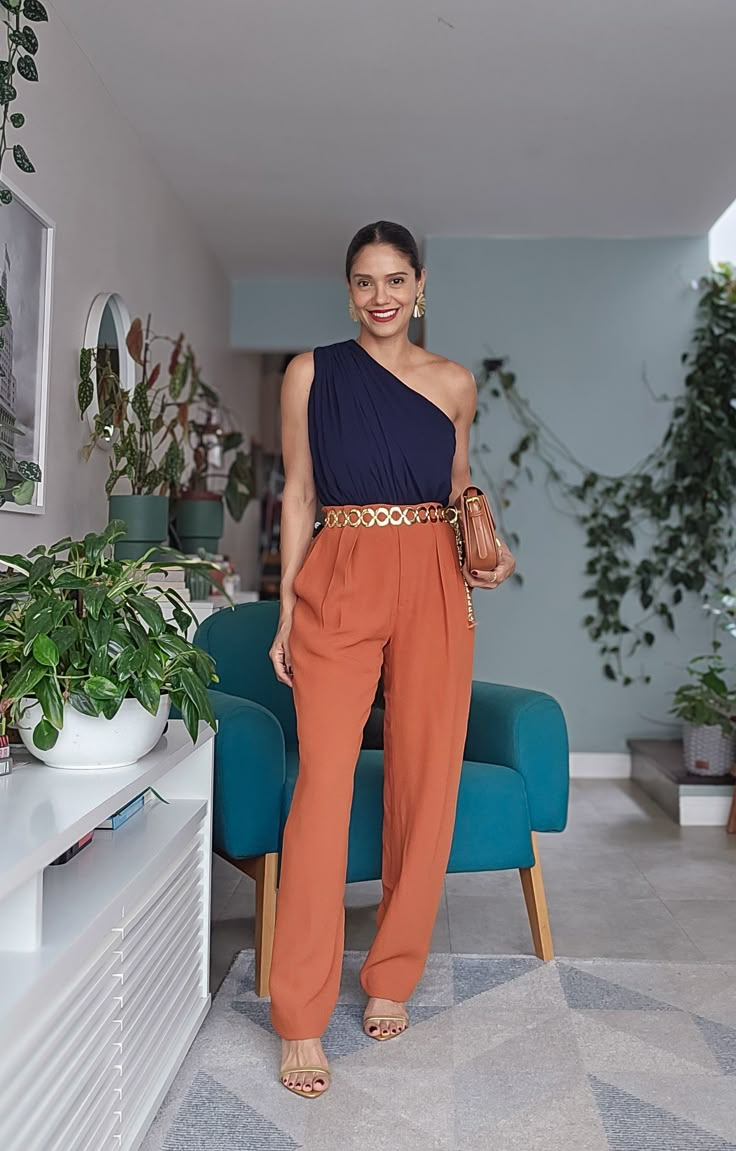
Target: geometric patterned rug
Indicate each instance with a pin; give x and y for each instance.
(504, 1053)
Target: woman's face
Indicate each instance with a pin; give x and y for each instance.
(384, 287)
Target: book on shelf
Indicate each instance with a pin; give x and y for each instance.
(73, 850)
(124, 813)
(170, 577)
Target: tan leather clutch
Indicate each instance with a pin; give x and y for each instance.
(478, 529)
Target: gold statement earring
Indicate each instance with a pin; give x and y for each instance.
(353, 311)
(420, 305)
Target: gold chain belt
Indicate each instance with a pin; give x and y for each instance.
(383, 516)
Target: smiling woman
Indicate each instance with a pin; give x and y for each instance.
(376, 430)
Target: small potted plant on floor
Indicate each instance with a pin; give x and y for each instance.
(199, 507)
(707, 706)
(90, 664)
(145, 430)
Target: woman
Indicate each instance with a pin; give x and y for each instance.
(377, 430)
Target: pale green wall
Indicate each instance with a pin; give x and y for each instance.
(282, 314)
(285, 314)
(580, 320)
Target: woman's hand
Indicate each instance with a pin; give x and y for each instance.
(279, 653)
(505, 568)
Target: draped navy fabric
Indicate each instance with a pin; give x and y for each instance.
(374, 440)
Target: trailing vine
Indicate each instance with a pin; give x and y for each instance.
(665, 528)
(22, 46)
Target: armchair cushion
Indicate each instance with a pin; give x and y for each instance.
(249, 777)
(524, 730)
(492, 829)
(239, 640)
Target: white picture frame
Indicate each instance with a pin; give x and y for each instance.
(27, 237)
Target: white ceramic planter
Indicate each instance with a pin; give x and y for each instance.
(87, 741)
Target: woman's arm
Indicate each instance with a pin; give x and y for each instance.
(299, 501)
(466, 398)
(465, 395)
(299, 505)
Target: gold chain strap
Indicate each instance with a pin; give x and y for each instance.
(461, 558)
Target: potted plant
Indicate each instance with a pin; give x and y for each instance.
(199, 511)
(146, 430)
(707, 706)
(89, 663)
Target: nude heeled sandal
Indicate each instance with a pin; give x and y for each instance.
(320, 1072)
(378, 1019)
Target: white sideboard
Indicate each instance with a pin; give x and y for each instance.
(104, 961)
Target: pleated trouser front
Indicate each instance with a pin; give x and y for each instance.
(368, 598)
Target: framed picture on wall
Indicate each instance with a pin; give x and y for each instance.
(26, 269)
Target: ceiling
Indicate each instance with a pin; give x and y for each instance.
(287, 124)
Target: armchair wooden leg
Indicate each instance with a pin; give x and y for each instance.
(267, 870)
(536, 905)
(264, 869)
(731, 825)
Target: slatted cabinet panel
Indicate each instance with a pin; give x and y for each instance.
(163, 984)
(99, 1004)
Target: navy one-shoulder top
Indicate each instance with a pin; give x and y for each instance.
(373, 439)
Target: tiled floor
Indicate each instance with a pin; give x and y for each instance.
(622, 881)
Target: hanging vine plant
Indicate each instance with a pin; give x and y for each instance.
(665, 528)
(21, 48)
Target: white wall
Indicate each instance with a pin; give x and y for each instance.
(722, 238)
(119, 227)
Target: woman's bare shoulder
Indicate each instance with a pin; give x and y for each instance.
(454, 377)
(298, 377)
(301, 367)
(449, 370)
(455, 383)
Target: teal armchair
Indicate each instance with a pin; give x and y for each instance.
(514, 780)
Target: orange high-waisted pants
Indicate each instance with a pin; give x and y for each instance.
(371, 597)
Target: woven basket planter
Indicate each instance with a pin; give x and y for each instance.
(707, 750)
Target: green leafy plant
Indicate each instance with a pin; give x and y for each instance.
(212, 437)
(708, 699)
(147, 426)
(722, 606)
(21, 49)
(666, 528)
(81, 629)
